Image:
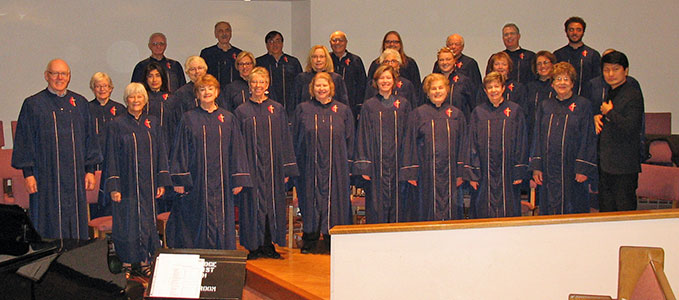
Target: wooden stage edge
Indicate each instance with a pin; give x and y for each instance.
(296, 276)
(507, 222)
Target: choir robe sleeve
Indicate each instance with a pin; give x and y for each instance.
(240, 169)
(585, 160)
(461, 148)
(520, 151)
(297, 93)
(24, 142)
(111, 172)
(290, 168)
(341, 93)
(298, 138)
(364, 150)
(163, 167)
(473, 162)
(349, 122)
(535, 160)
(411, 155)
(93, 154)
(179, 163)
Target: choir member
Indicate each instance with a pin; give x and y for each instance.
(56, 148)
(619, 125)
(184, 99)
(102, 108)
(409, 69)
(173, 72)
(268, 145)
(319, 60)
(237, 92)
(465, 64)
(402, 86)
(585, 59)
(350, 66)
(563, 153)
(136, 173)
(157, 89)
(157, 105)
(282, 67)
(324, 141)
(521, 58)
(379, 150)
(514, 91)
(498, 158)
(433, 153)
(539, 89)
(462, 93)
(221, 58)
(209, 164)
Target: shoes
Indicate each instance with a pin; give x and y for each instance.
(270, 251)
(255, 254)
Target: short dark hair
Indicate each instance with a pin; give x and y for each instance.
(575, 20)
(615, 57)
(272, 34)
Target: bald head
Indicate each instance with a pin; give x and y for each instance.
(455, 42)
(338, 43)
(58, 75)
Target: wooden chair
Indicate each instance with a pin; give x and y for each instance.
(530, 208)
(659, 183)
(13, 185)
(161, 224)
(101, 226)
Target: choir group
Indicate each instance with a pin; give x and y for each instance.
(244, 130)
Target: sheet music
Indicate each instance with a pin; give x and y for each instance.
(177, 276)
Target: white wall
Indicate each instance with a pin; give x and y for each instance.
(644, 30)
(511, 262)
(112, 36)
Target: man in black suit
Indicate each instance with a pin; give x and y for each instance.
(619, 126)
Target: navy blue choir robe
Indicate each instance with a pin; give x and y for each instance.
(462, 93)
(522, 71)
(175, 73)
(324, 142)
(234, 94)
(585, 60)
(468, 67)
(433, 155)
(403, 88)
(101, 116)
(514, 91)
(55, 142)
(282, 75)
(350, 67)
(379, 152)
(498, 156)
(268, 145)
(181, 101)
(159, 107)
(564, 144)
(221, 64)
(301, 94)
(135, 165)
(208, 160)
(408, 70)
(537, 91)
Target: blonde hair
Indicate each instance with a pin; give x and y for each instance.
(329, 66)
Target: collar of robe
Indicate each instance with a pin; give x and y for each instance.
(323, 104)
(53, 92)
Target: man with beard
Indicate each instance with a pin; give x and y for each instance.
(585, 59)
